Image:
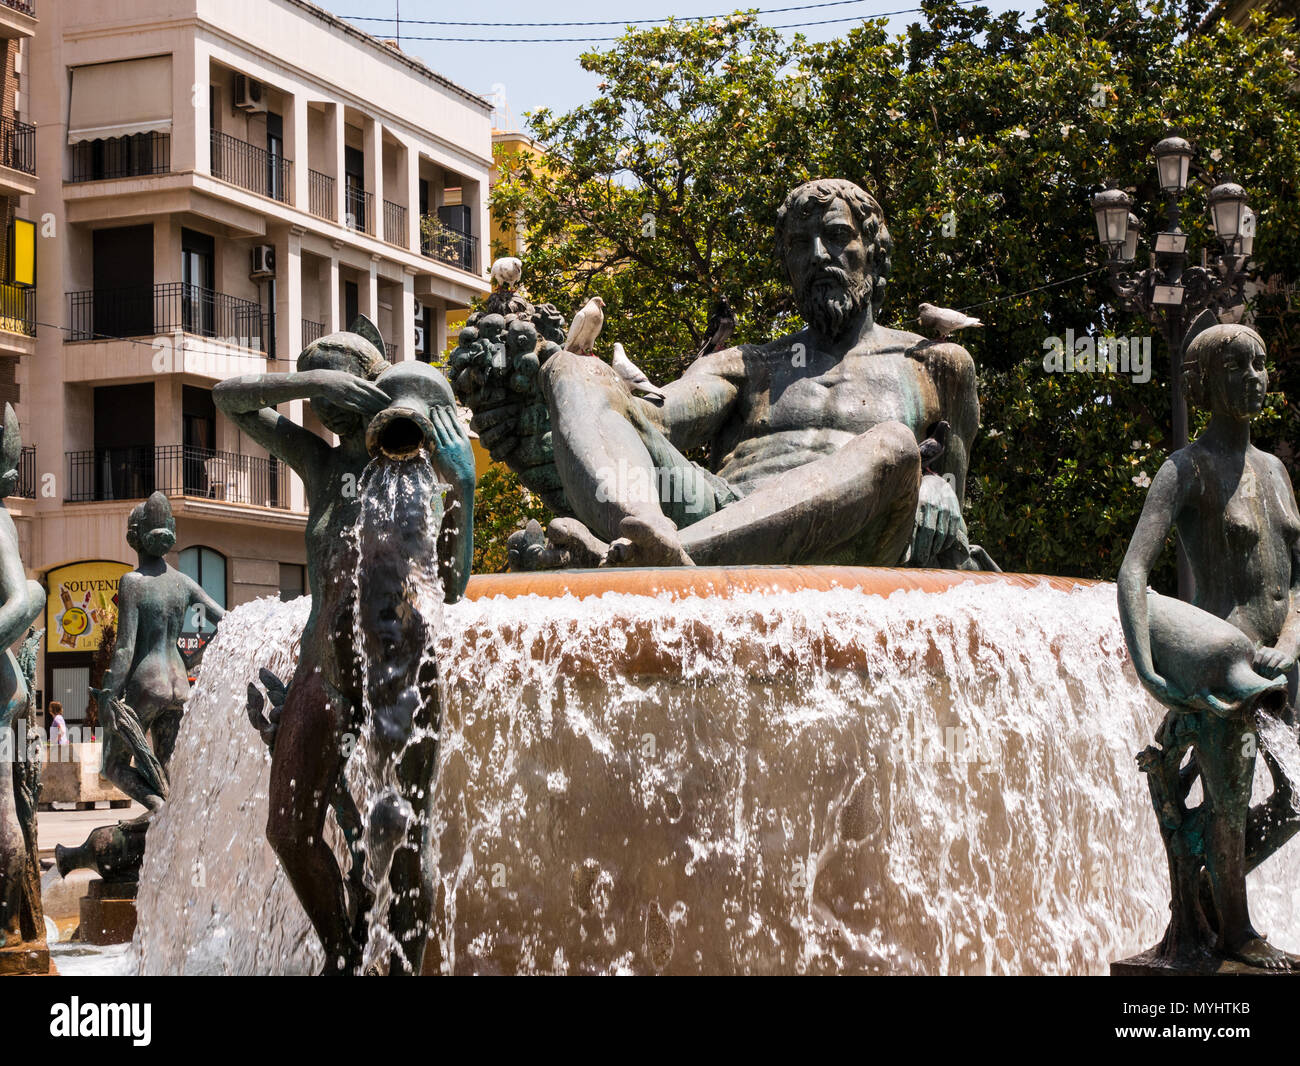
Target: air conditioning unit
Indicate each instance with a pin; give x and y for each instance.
(250, 94)
(419, 338)
(263, 261)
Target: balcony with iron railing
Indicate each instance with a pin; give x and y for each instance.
(395, 225)
(312, 331)
(134, 473)
(448, 245)
(252, 168)
(320, 196)
(360, 208)
(26, 487)
(169, 307)
(18, 309)
(136, 156)
(23, 7)
(17, 144)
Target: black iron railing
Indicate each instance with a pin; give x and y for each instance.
(311, 331)
(27, 473)
(18, 309)
(27, 7)
(122, 157)
(134, 473)
(17, 145)
(150, 310)
(251, 167)
(320, 196)
(439, 241)
(395, 225)
(360, 208)
(390, 351)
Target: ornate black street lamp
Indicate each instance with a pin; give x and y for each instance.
(1168, 292)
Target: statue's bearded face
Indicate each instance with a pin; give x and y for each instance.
(829, 266)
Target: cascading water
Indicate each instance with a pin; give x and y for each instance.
(396, 621)
(799, 781)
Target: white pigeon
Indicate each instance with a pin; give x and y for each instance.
(507, 271)
(938, 322)
(585, 328)
(635, 376)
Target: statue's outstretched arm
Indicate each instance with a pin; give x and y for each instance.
(1164, 501)
(250, 401)
(212, 611)
(952, 370)
(128, 619)
(16, 611)
(698, 403)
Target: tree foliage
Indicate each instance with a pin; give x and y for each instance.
(501, 505)
(983, 137)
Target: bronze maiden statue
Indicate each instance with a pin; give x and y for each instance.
(1221, 664)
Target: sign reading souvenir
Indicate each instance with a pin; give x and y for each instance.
(82, 600)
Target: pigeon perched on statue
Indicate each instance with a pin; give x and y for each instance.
(938, 322)
(586, 327)
(722, 323)
(635, 376)
(934, 445)
(507, 271)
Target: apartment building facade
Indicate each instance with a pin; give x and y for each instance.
(223, 181)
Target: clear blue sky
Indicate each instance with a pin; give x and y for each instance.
(537, 75)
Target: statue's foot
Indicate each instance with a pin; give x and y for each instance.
(645, 543)
(1260, 953)
(529, 550)
(583, 546)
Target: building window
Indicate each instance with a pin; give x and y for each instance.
(293, 581)
(208, 568)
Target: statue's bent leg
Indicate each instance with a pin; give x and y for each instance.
(118, 769)
(1226, 755)
(164, 729)
(855, 506)
(307, 761)
(607, 468)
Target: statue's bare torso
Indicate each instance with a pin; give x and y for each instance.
(797, 404)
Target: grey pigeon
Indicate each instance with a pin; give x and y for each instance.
(938, 322)
(586, 327)
(635, 376)
(722, 323)
(934, 445)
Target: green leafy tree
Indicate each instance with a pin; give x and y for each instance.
(501, 506)
(983, 137)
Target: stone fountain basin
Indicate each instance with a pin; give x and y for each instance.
(731, 770)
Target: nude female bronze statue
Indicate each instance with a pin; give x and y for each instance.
(345, 379)
(1222, 660)
(21, 604)
(147, 672)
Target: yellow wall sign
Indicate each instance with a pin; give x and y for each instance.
(82, 598)
(23, 244)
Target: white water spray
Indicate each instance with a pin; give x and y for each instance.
(789, 782)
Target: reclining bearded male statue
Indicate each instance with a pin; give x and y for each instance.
(813, 438)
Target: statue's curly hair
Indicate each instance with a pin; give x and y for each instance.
(366, 359)
(1207, 346)
(867, 213)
